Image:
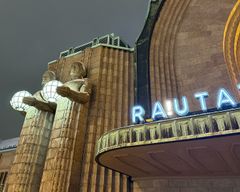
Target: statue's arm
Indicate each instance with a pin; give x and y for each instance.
(41, 105)
(85, 92)
(86, 87)
(80, 93)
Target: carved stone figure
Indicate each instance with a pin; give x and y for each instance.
(64, 156)
(28, 164)
(77, 89)
(38, 100)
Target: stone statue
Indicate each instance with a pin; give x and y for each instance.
(28, 164)
(38, 100)
(64, 156)
(77, 89)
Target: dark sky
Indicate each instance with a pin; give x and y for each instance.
(34, 32)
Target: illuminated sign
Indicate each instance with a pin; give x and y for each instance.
(181, 107)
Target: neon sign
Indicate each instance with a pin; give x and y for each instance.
(181, 107)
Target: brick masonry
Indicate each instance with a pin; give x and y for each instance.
(188, 55)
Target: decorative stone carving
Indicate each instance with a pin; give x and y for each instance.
(214, 124)
(78, 89)
(63, 162)
(38, 101)
(27, 168)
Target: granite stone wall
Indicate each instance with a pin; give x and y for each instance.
(186, 54)
(110, 71)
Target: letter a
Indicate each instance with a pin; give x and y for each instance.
(158, 111)
(224, 98)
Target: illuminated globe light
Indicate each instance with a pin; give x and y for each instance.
(17, 101)
(49, 91)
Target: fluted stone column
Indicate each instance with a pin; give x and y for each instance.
(111, 73)
(26, 171)
(27, 168)
(63, 163)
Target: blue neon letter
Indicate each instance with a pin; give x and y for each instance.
(224, 98)
(137, 114)
(201, 96)
(158, 111)
(185, 107)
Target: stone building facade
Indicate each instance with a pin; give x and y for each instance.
(7, 153)
(186, 46)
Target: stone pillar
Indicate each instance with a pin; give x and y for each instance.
(63, 163)
(26, 171)
(111, 73)
(62, 166)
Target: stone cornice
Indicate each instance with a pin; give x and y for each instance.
(206, 125)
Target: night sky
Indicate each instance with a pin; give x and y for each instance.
(32, 33)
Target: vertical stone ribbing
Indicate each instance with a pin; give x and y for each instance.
(111, 73)
(103, 172)
(79, 140)
(131, 89)
(112, 87)
(231, 44)
(162, 68)
(88, 159)
(100, 117)
(161, 58)
(112, 93)
(120, 91)
(198, 51)
(172, 38)
(27, 168)
(169, 51)
(125, 91)
(157, 74)
(62, 165)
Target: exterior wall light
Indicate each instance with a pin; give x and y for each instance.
(17, 101)
(49, 91)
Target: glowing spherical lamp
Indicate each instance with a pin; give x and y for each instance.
(49, 91)
(17, 101)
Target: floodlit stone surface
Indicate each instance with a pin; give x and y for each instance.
(179, 53)
(77, 126)
(27, 167)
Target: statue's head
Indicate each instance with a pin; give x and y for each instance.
(48, 76)
(78, 71)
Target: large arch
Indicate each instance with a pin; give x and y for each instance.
(186, 54)
(231, 43)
